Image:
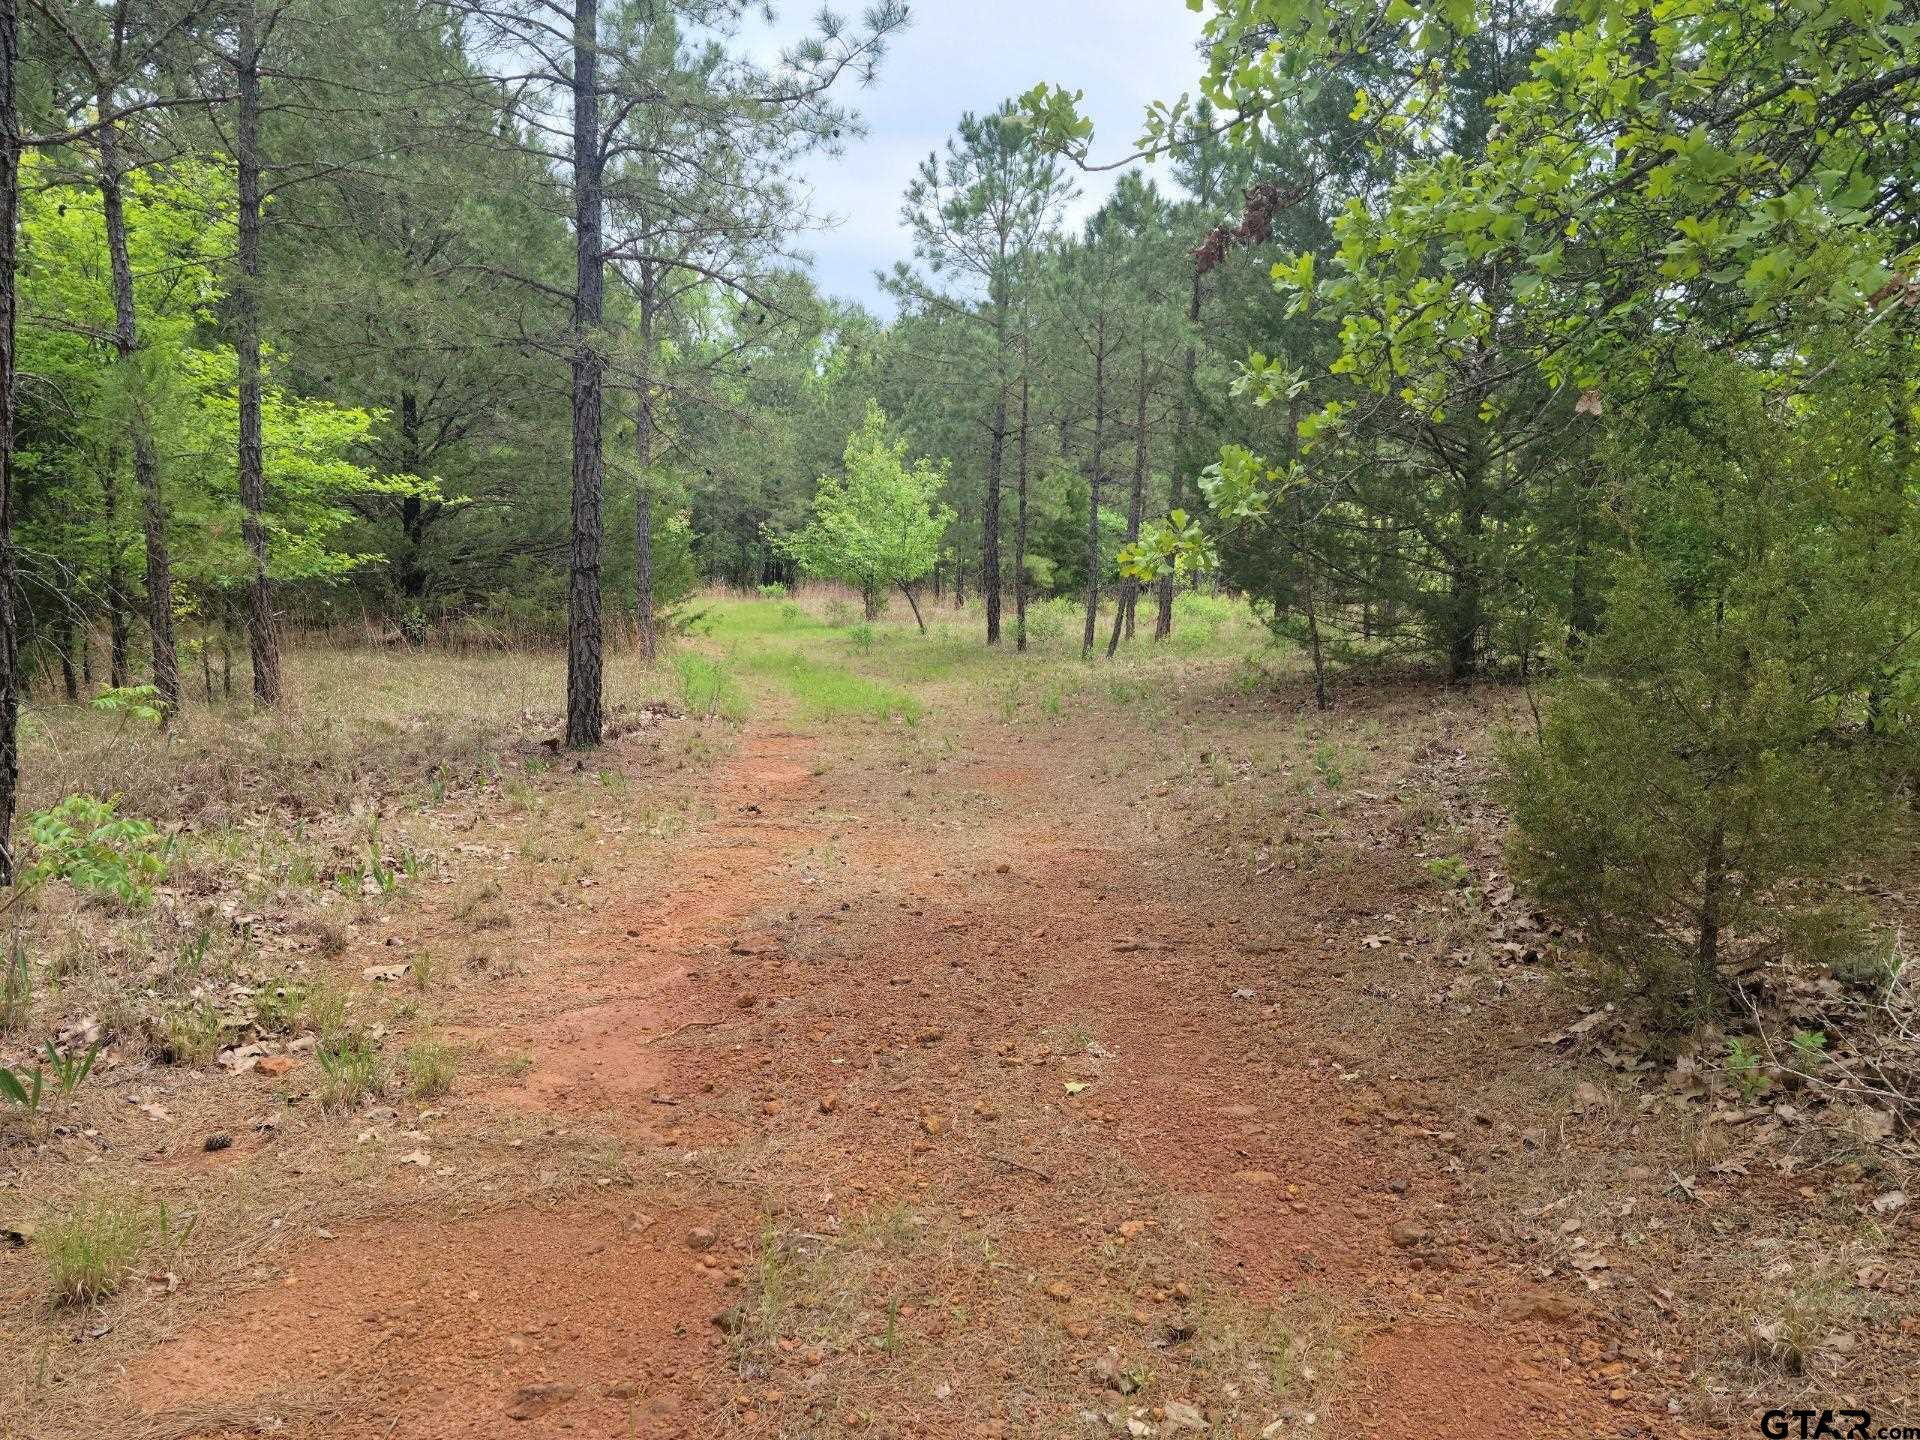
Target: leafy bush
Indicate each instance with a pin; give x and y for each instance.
(1706, 771)
(98, 852)
(839, 613)
(132, 702)
(773, 590)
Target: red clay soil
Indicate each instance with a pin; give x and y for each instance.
(940, 1121)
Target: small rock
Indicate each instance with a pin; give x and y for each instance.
(274, 1066)
(532, 1400)
(773, 1107)
(933, 1124)
(1060, 1290)
(1002, 868)
(700, 1238)
(1184, 1416)
(1399, 1185)
(1407, 1234)
(218, 1141)
(932, 1035)
(829, 1104)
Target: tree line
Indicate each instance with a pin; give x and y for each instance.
(1571, 342)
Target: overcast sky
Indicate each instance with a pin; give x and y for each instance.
(961, 55)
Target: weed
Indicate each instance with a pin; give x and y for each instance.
(277, 1006)
(1809, 1051)
(862, 637)
(430, 1069)
(706, 690)
(1330, 764)
(481, 908)
(22, 1087)
(423, 970)
(16, 989)
(69, 1070)
(1743, 1065)
(1450, 870)
(191, 1036)
(326, 1009)
(91, 1245)
(351, 1071)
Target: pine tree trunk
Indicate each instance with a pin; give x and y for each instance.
(9, 613)
(1093, 486)
(413, 515)
(262, 645)
(996, 459)
(69, 681)
(1020, 523)
(584, 635)
(1706, 957)
(643, 481)
(1183, 440)
(1136, 504)
(118, 637)
(146, 464)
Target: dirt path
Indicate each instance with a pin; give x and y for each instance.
(921, 1115)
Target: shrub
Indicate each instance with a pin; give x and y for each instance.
(84, 842)
(1707, 768)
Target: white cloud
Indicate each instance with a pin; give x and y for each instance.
(959, 56)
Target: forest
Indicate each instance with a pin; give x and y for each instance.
(1444, 488)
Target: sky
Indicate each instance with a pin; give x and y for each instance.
(961, 55)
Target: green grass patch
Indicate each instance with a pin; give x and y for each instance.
(89, 1248)
(828, 691)
(707, 690)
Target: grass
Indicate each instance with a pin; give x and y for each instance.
(707, 691)
(89, 1247)
(430, 1069)
(352, 1072)
(826, 691)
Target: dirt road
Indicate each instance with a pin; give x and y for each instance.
(912, 1090)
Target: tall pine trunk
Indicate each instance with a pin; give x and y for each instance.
(262, 645)
(584, 638)
(1093, 485)
(1136, 503)
(119, 668)
(1020, 523)
(643, 480)
(996, 459)
(1183, 441)
(9, 613)
(146, 464)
